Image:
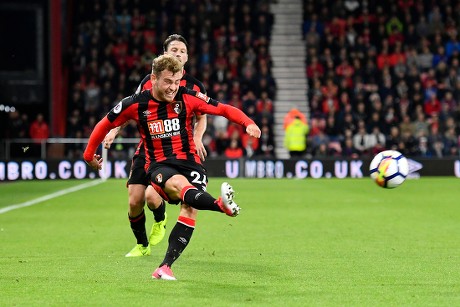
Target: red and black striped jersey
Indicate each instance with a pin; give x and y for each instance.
(187, 81)
(166, 128)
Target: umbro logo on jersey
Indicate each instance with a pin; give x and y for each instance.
(146, 113)
(202, 96)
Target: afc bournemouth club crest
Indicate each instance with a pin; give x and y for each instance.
(177, 106)
(159, 178)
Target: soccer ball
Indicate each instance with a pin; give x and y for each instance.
(389, 169)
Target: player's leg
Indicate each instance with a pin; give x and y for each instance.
(179, 238)
(156, 204)
(175, 186)
(136, 216)
(178, 187)
(181, 234)
(137, 184)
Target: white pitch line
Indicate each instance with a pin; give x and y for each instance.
(51, 196)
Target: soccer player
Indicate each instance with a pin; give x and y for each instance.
(164, 118)
(139, 188)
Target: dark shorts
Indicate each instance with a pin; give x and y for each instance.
(161, 172)
(137, 174)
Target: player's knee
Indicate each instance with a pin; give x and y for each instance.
(136, 201)
(176, 183)
(136, 196)
(187, 211)
(154, 200)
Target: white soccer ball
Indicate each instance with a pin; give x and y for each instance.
(389, 169)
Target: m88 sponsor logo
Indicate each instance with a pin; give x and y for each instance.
(164, 128)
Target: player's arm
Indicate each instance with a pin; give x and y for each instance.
(200, 125)
(110, 137)
(97, 135)
(209, 105)
(200, 129)
(115, 118)
(237, 116)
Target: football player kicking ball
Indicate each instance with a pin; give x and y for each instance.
(164, 117)
(139, 188)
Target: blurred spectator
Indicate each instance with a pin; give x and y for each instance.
(221, 142)
(321, 151)
(235, 149)
(332, 129)
(266, 146)
(423, 149)
(406, 125)
(264, 104)
(450, 143)
(295, 139)
(449, 104)
(38, 132)
(362, 141)
(315, 69)
(437, 140)
(250, 145)
(394, 139)
(377, 140)
(249, 100)
(408, 144)
(348, 150)
(420, 125)
(316, 140)
(291, 115)
(432, 105)
(17, 126)
(74, 123)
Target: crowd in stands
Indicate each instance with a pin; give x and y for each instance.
(115, 42)
(383, 75)
(18, 125)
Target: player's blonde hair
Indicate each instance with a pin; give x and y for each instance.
(166, 62)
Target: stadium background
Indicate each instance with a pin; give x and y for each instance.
(389, 72)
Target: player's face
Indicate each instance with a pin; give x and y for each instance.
(179, 50)
(165, 87)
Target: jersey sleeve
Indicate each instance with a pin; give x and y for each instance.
(199, 86)
(204, 104)
(143, 83)
(194, 84)
(97, 136)
(121, 113)
(202, 89)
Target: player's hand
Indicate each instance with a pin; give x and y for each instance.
(96, 163)
(253, 130)
(200, 149)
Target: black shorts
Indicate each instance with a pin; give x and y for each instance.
(195, 174)
(137, 174)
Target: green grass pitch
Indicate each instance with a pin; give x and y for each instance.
(311, 242)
